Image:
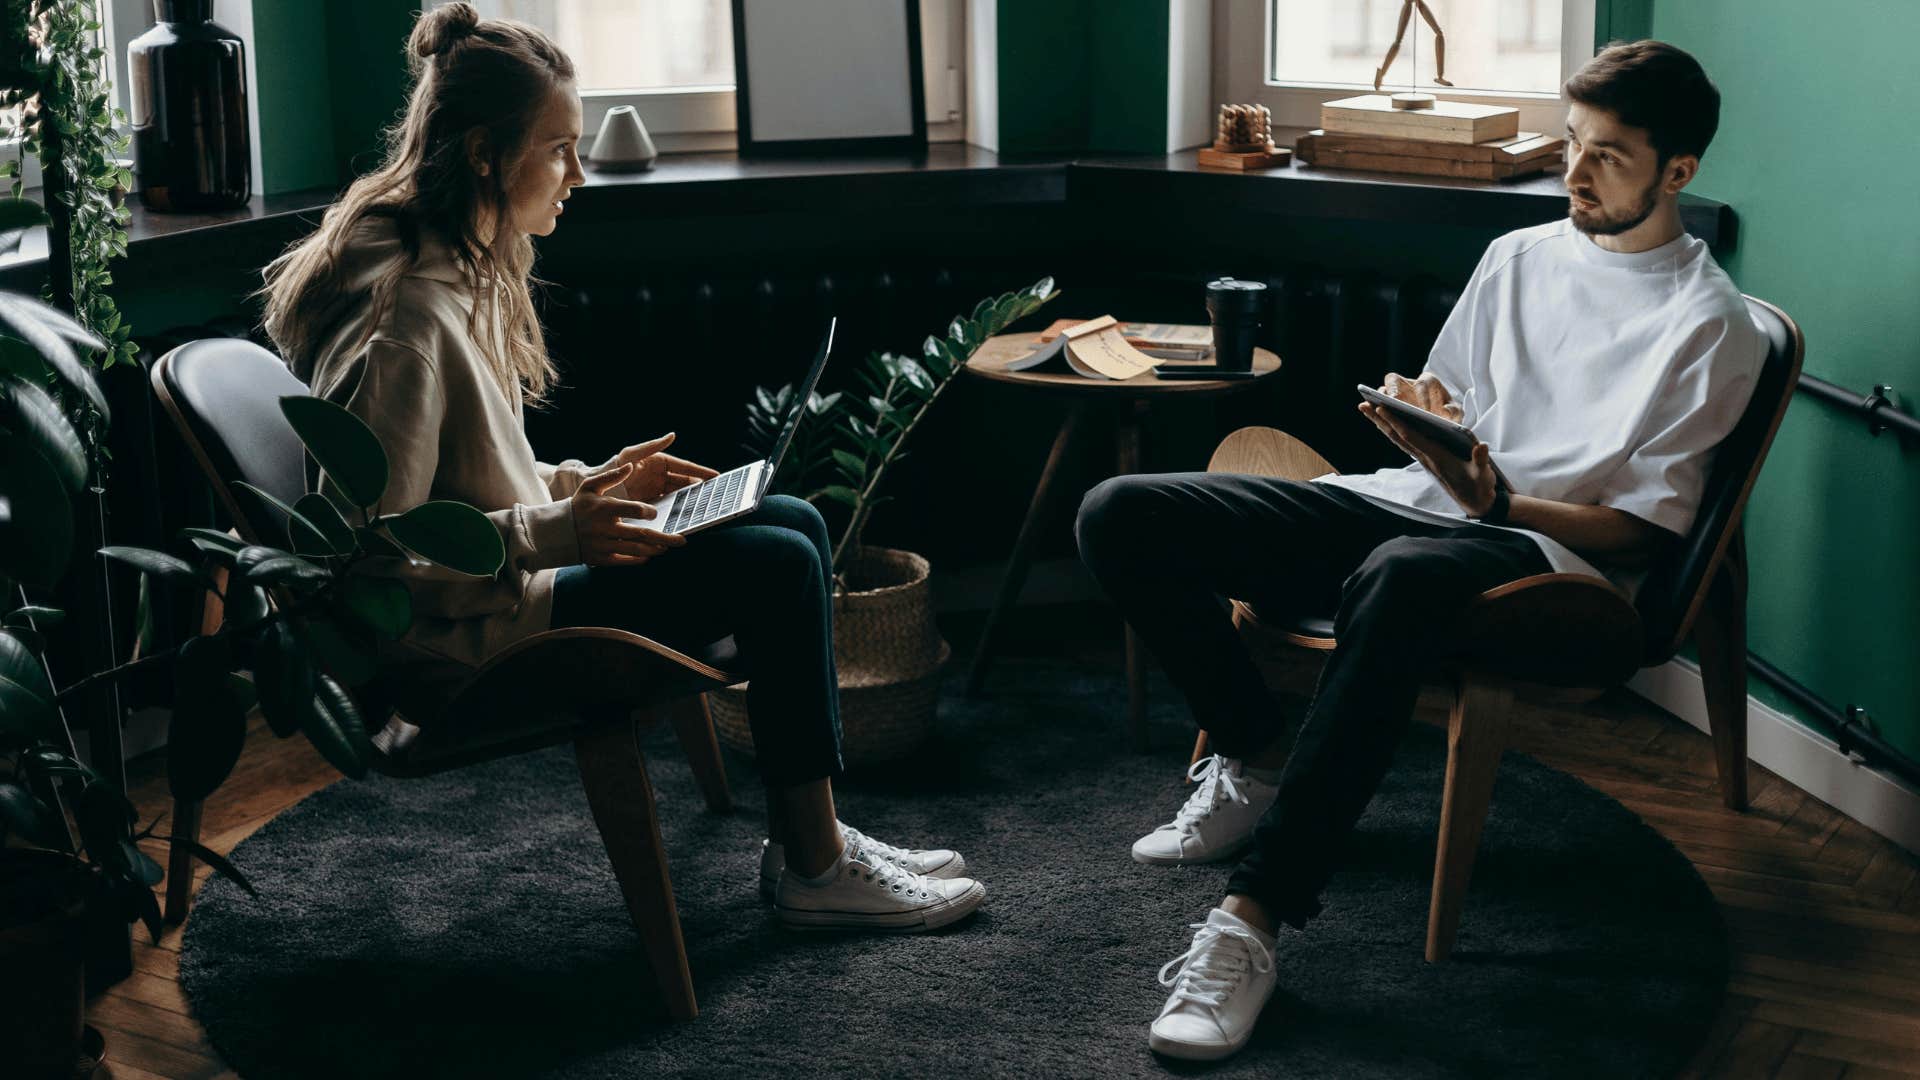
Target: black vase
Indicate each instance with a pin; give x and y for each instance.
(189, 94)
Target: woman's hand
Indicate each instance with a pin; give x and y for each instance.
(1471, 482)
(1426, 392)
(657, 473)
(601, 522)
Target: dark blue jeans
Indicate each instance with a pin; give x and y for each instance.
(1168, 547)
(767, 580)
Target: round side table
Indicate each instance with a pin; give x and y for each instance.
(1127, 401)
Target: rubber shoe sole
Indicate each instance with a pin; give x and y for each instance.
(1232, 851)
(1196, 1051)
(902, 922)
(954, 869)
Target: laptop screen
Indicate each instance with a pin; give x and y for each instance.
(801, 399)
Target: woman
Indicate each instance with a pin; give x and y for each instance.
(410, 307)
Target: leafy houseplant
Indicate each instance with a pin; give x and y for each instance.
(887, 650)
(297, 617)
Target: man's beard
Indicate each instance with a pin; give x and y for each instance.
(1600, 223)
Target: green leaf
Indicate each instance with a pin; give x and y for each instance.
(376, 544)
(334, 727)
(208, 727)
(205, 538)
(381, 605)
(855, 465)
(218, 862)
(34, 640)
(36, 536)
(297, 522)
(281, 569)
(157, 563)
(22, 214)
(1042, 290)
(32, 414)
(452, 534)
(32, 615)
(104, 817)
(283, 676)
(346, 448)
(52, 334)
(145, 870)
(240, 688)
(342, 653)
(246, 604)
(28, 817)
(842, 494)
(329, 527)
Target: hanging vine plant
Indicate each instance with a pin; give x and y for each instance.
(55, 100)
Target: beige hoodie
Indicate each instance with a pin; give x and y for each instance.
(450, 431)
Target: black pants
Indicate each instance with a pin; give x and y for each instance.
(1166, 548)
(766, 579)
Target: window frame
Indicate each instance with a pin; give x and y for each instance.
(1249, 45)
(688, 119)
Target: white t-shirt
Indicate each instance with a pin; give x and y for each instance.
(1593, 377)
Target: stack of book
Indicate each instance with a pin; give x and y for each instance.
(1452, 138)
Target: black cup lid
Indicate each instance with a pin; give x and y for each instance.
(1227, 283)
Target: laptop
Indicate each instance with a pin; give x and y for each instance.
(739, 491)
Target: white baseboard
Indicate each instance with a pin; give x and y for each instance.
(1798, 754)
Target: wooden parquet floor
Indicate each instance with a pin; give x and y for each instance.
(1824, 915)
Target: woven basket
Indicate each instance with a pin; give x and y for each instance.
(887, 654)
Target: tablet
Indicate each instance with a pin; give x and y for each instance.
(1455, 439)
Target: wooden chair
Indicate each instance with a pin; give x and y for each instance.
(594, 686)
(1566, 636)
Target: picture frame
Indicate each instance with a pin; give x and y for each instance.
(828, 77)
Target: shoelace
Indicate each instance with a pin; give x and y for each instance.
(889, 852)
(1209, 972)
(885, 874)
(1214, 780)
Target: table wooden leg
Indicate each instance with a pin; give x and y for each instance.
(1127, 459)
(1016, 575)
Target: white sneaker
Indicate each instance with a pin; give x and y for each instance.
(938, 863)
(870, 892)
(1224, 982)
(1217, 822)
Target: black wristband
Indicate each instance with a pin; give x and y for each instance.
(1497, 510)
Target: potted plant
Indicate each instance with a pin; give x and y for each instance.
(300, 628)
(887, 650)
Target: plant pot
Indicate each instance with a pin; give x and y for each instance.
(887, 657)
(43, 906)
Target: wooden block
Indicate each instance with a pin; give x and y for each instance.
(1320, 148)
(1524, 146)
(1447, 121)
(1272, 157)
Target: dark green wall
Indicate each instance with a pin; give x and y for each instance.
(1815, 156)
(331, 76)
(1083, 75)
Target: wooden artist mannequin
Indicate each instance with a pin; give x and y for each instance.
(1400, 33)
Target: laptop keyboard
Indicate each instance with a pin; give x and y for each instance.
(703, 502)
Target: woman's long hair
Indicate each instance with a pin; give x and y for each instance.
(491, 75)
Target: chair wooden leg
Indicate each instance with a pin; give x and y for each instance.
(1720, 633)
(1199, 750)
(1476, 736)
(185, 828)
(615, 777)
(694, 725)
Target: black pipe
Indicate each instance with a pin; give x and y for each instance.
(1877, 407)
(1849, 725)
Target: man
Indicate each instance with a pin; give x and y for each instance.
(1599, 359)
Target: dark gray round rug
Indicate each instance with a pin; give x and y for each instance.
(469, 925)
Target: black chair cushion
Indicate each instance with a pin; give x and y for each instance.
(229, 392)
(1672, 584)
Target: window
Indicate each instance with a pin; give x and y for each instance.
(1292, 55)
(673, 61)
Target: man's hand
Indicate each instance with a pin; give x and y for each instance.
(655, 473)
(1471, 482)
(1425, 392)
(601, 523)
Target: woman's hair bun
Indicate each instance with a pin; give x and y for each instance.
(441, 28)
